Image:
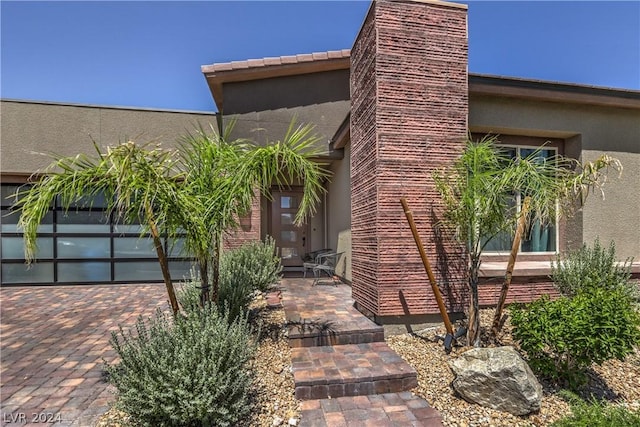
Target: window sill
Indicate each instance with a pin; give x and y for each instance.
(521, 268)
(528, 268)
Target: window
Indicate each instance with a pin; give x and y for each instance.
(537, 238)
(82, 245)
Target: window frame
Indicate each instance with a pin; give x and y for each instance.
(528, 142)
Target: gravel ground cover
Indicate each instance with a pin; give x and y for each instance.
(616, 381)
(276, 405)
(275, 400)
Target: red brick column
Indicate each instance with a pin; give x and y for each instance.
(250, 230)
(408, 118)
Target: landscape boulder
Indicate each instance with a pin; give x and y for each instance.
(497, 378)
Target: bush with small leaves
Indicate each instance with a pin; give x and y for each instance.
(234, 296)
(562, 338)
(596, 414)
(187, 371)
(592, 267)
(188, 293)
(256, 263)
(251, 267)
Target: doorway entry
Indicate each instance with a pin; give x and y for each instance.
(292, 240)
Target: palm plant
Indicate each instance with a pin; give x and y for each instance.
(200, 190)
(224, 177)
(139, 184)
(478, 192)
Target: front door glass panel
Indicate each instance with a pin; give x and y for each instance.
(290, 239)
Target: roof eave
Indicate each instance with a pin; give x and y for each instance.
(219, 74)
(538, 90)
(342, 136)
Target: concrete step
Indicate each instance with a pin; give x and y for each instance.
(350, 370)
(379, 410)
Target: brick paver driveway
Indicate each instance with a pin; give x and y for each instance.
(53, 341)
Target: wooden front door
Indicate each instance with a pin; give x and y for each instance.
(292, 240)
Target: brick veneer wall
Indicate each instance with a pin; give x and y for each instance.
(409, 113)
(523, 289)
(236, 238)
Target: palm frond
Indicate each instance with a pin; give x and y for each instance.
(129, 177)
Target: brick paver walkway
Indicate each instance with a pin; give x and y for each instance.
(345, 374)
(375, 410)
(53, 341)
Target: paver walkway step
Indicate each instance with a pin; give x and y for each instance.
(380, 410)
(350, 370)
(324, 315)
(310, 333)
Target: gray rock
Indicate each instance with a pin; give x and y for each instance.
(497, 378)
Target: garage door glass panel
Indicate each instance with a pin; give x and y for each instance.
(83, 247)
(83, 222)
(133, 247)
(137, 271)
(182, 270)
(9, 221)
(13, 248)
(40, 272)
(176, 248)
(84, 272)
(97, 201)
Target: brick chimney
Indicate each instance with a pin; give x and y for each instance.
(409, 113)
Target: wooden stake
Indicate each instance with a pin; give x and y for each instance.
(495, 328)
(427, 267)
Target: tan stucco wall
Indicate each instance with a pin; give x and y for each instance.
(617, 217)
(263, 109)
(31, 127)
(316, 229)
(588, 131)
(272, 125)
(339, 211)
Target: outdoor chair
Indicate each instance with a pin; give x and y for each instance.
(326, 264)
(310, 260)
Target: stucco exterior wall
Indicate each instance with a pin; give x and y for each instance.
(33, 127)
(589, 131)
(272, 125)
(263, 109)
(338, 198)
(617, 216)
(339, 211)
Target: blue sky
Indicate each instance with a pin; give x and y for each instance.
(148, 54)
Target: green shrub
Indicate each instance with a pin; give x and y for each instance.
(187, 372)
(254, 263)
(594, 267)
(243, 270)
(563, 337)
(188, 293)
(595, 414)
(234, 296)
